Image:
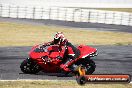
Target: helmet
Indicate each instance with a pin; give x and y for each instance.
(58, 38)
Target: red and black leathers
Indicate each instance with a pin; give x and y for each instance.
(70, 51)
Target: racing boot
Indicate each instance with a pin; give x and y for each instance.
(66, 65)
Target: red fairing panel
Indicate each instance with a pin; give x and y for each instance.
(34, 55)
(86, 50)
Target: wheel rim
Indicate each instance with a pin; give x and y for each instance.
(27, 67)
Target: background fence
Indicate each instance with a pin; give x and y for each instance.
(67, 14)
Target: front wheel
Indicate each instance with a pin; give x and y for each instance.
(29, 67)
(88, 64)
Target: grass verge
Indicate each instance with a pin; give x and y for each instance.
(117, 9)
(15, 34)
(56, 84)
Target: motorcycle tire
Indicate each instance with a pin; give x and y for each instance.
(89, 64)
(29, 67)
(91, 67)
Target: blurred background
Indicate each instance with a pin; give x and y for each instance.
(73, 3)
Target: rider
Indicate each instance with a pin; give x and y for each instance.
(71, 51)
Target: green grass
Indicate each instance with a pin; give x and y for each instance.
(117, 9)
(56, 84)
(15, 34)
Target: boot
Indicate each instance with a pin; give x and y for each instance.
(65, 66)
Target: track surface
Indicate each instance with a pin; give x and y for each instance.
(111, 59)
(80, 25)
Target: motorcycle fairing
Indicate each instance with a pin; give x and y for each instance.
(86, 51)
(52, 52)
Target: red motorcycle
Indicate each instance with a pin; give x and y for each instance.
(47, 59)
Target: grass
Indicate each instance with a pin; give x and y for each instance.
(117, 9)
(57, 84)
(15, 34)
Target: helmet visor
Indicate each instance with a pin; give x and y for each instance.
(56, 41)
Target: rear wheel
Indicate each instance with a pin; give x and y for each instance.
(29, 67)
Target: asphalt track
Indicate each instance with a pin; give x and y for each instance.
(110, 60)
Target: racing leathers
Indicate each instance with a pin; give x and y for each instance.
(70, 54)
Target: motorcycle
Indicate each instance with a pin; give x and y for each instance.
(46, 58)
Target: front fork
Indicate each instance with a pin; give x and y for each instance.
(79, 70)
